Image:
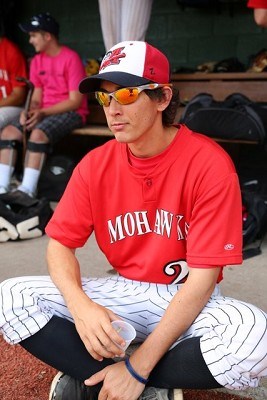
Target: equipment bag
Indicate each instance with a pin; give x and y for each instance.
(237, 117)
(55, 176)
(254, 222)
(18, 222)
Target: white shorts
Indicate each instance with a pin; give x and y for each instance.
(8, 114)
(233, 333)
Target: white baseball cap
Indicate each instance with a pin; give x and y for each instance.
(130, 63)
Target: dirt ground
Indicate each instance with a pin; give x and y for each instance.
(23, 377)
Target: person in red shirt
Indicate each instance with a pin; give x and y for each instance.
(56, 108)
(12, 92)
(260, 11)
(164, 204)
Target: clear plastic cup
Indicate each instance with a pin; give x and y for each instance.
(126, 331)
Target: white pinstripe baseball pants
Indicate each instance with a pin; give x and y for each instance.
(124, 20)
(233, 333)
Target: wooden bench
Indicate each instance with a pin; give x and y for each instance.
(96, 124)
(220, 85)
(93, 130)
(103, 130)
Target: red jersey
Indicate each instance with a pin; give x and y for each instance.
(149, 226)
(257, 3)
(12, 65)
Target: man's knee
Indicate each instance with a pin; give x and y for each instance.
(38, 136)
(5, 290)
(10, 132)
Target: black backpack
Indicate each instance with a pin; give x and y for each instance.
(18, 222)
(55, 176)
(254, 222)
(236, 117)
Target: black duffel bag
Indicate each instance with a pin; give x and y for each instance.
(236, 117)
(23, 221)
(55, 176)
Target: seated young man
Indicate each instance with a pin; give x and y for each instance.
(57, 107)
(12, 91)
(165, 206)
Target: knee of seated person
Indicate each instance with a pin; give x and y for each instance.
(38, 136)
(5, 289)
(11, 133)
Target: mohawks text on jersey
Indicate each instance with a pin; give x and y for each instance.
(137, 223)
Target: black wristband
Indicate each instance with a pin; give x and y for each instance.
(134, 374)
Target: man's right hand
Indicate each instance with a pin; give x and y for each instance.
(93, 323)
(34, 116)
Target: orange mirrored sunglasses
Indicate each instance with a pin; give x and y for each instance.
(125, 95)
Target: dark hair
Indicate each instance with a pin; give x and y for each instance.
(168, 115)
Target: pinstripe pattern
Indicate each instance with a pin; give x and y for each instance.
(234, 333)
(124, 20)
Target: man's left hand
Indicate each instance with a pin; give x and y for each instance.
(118, 384)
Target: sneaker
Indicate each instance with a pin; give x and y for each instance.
(152, 393)
(177, 394)
(23, 189)
(3, 190)
(19, 198)
(64, 387)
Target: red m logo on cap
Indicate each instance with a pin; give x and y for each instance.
(113, 57)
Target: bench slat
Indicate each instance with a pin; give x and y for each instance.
(93, 130)
(103, 130)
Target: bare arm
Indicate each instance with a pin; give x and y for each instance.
(187, 304)
(260, 17)
(181, 312)
(36, 102)
(71, 104)
(37, 113)
(16, 97)
(93, 322)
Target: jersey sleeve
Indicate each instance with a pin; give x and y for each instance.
(257, 3)
(215, 232)
(72, 222)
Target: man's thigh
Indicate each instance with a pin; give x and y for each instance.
(60, 125)
(8, 114)
(142, 304)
